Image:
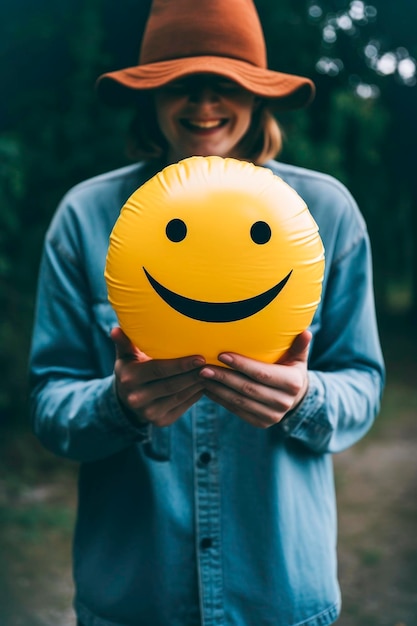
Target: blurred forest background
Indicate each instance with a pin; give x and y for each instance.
(362, 128)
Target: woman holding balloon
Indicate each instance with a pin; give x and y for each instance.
(206, 488)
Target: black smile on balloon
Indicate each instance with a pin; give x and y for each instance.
(217, 311)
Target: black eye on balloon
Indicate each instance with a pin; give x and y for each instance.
(260, 232)
(176, 230)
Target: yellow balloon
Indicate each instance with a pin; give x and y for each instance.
(214, 255)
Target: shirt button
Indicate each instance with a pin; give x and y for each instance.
(205, 458)
(206, 543)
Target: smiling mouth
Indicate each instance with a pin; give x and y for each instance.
(217, 311)
(203, 125)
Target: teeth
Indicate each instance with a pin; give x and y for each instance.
(205, 123)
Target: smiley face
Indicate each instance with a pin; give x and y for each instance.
(216, 311)
(176, 231)
(214, 254)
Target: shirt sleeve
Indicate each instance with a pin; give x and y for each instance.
(74, 408)
(346, 370)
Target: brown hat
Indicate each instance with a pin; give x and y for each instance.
(223, 37)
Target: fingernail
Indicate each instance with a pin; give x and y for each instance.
(198, 362)
(226, 358)
(207, 373)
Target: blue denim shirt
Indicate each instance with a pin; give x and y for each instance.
(209, 521)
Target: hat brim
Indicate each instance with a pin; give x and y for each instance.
(284, 91)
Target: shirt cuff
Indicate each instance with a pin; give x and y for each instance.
(112, 411)
(306, 421)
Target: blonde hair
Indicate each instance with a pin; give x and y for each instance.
(262, 142)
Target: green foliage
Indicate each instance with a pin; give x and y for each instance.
(63, 136)
(12, 185)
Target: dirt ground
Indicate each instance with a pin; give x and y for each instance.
(377, 488)
(377, 493)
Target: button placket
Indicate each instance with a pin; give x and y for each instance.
(207, 507)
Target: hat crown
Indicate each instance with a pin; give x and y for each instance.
(178, 29)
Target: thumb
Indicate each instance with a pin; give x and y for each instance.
(298, 351)
(125, 349)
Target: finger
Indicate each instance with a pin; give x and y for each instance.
(167, 410)
(187, 402)
(165, 369)
(174, 385)
(256, 417)
(125, 349)
(263, 402)
(263, 373)
(244, 384)
(298, 351)
(266, 373)
(152, 369)
(145, 394)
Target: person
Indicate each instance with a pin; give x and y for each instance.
(206, 494)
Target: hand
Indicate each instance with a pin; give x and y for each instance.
(155, 390)
(260, 393)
